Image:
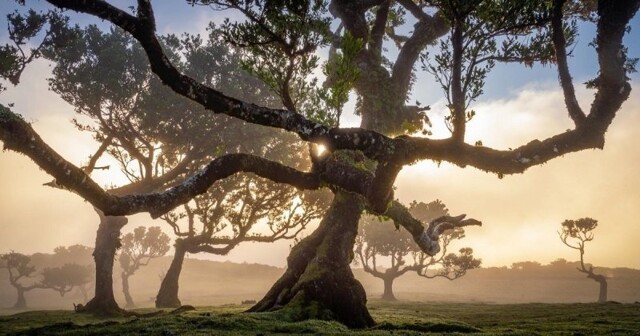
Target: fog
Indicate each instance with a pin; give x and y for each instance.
(205, 283)
(521, 214)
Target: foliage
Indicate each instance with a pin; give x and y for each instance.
(17, 264)
(482, 34)
(63, 279)
(579, 230)
(140, 246)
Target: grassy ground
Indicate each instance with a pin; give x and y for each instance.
(399, 318)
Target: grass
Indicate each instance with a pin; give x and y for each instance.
(397, 318)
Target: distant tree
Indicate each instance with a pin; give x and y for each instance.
(67, 277)
(526, 265)
(234, 211)
(80, 255)
(17, 265)
(575, 233)
(137, 249)
(379, 239)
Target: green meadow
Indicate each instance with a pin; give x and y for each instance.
(395, 318)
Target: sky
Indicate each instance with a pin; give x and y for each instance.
(521, 214)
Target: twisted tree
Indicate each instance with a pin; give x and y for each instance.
(137, 248)
(575, 234)
(18, 269)
(379, 240)
(361, 164)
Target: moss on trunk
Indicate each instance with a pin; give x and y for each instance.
(318, 283)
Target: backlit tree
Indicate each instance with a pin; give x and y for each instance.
(137, 248)
(19, 271)
(65, 278)
(379, 240)
(360, 164)
(575, 234)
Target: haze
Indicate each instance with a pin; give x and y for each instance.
(521, 214)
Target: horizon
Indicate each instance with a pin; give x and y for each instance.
(521, 214)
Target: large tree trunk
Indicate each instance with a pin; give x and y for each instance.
(388, 289)
(125, 290)
(107, 242)
(21, 302)
(168, 293)
(318, 283)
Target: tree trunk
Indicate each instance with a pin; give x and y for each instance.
(125, 290)
(318, 283)
(168, 293)
(388, 289)
(21, 302)
(602, 296)
(107, 242)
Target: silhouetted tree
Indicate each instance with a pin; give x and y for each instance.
(378, 239)
(18, 269)
(80, 255)
(136, 250)
(65, 278)
(361, 164)
(575, 234)
(229, 214)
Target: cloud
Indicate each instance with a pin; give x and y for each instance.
(522, 213)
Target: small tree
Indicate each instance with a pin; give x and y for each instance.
(575, 233)
(67, 277)
(138, 248)
(17, 265)
(380, 239)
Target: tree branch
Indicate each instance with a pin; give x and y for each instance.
(559, 44)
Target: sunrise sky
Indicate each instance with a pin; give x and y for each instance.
(521, 213)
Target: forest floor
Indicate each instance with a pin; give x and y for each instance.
(397, 318)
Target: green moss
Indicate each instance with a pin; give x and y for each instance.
(355, 159)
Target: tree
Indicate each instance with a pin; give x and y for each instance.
(136, 250)
(378, 239)
(361, 164)
(79, 255)
(135, 117)
(575, 234)
(228, 215)
(67, 277)
(17, 265)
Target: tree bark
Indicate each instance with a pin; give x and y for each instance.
(21, 302)
(388, 289)
(107, 242)
(125, 290)
(168, 294)
(318, 283)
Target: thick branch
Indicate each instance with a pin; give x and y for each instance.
(559, 44)
(426, 238)
(377, 31)
(457, 95)
(426, 31)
